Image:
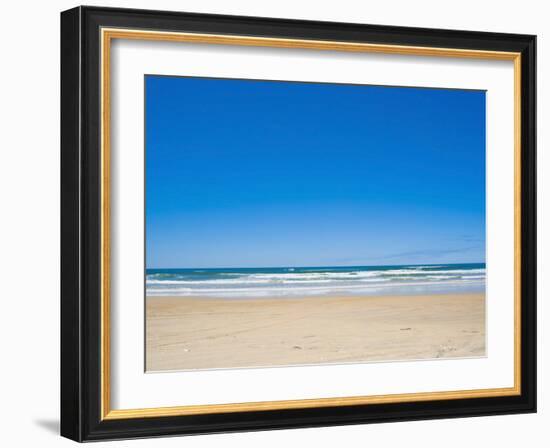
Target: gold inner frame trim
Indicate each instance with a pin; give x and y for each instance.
(107, 35)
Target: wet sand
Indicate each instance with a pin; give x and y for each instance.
(185, 333)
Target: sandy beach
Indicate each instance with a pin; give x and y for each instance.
(196, 333)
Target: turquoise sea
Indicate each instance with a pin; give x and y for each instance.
(322, 280)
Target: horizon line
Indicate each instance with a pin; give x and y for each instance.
(322, 266)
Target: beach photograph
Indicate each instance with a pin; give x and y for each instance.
(303, 223)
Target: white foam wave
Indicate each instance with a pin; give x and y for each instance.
(320, 277)
(319, 281)
(301, 290)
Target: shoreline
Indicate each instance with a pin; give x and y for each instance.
(188, 333)
(478, 288)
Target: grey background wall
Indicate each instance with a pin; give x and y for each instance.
(29, 236)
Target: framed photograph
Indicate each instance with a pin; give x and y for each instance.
(273, 223)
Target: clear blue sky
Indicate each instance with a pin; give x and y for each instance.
(243, 173)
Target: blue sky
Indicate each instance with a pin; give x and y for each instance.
(243, 173)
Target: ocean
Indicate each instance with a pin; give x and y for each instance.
(311, 281)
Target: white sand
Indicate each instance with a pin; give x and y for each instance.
(197, 333)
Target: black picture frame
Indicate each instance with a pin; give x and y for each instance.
(81, 224)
